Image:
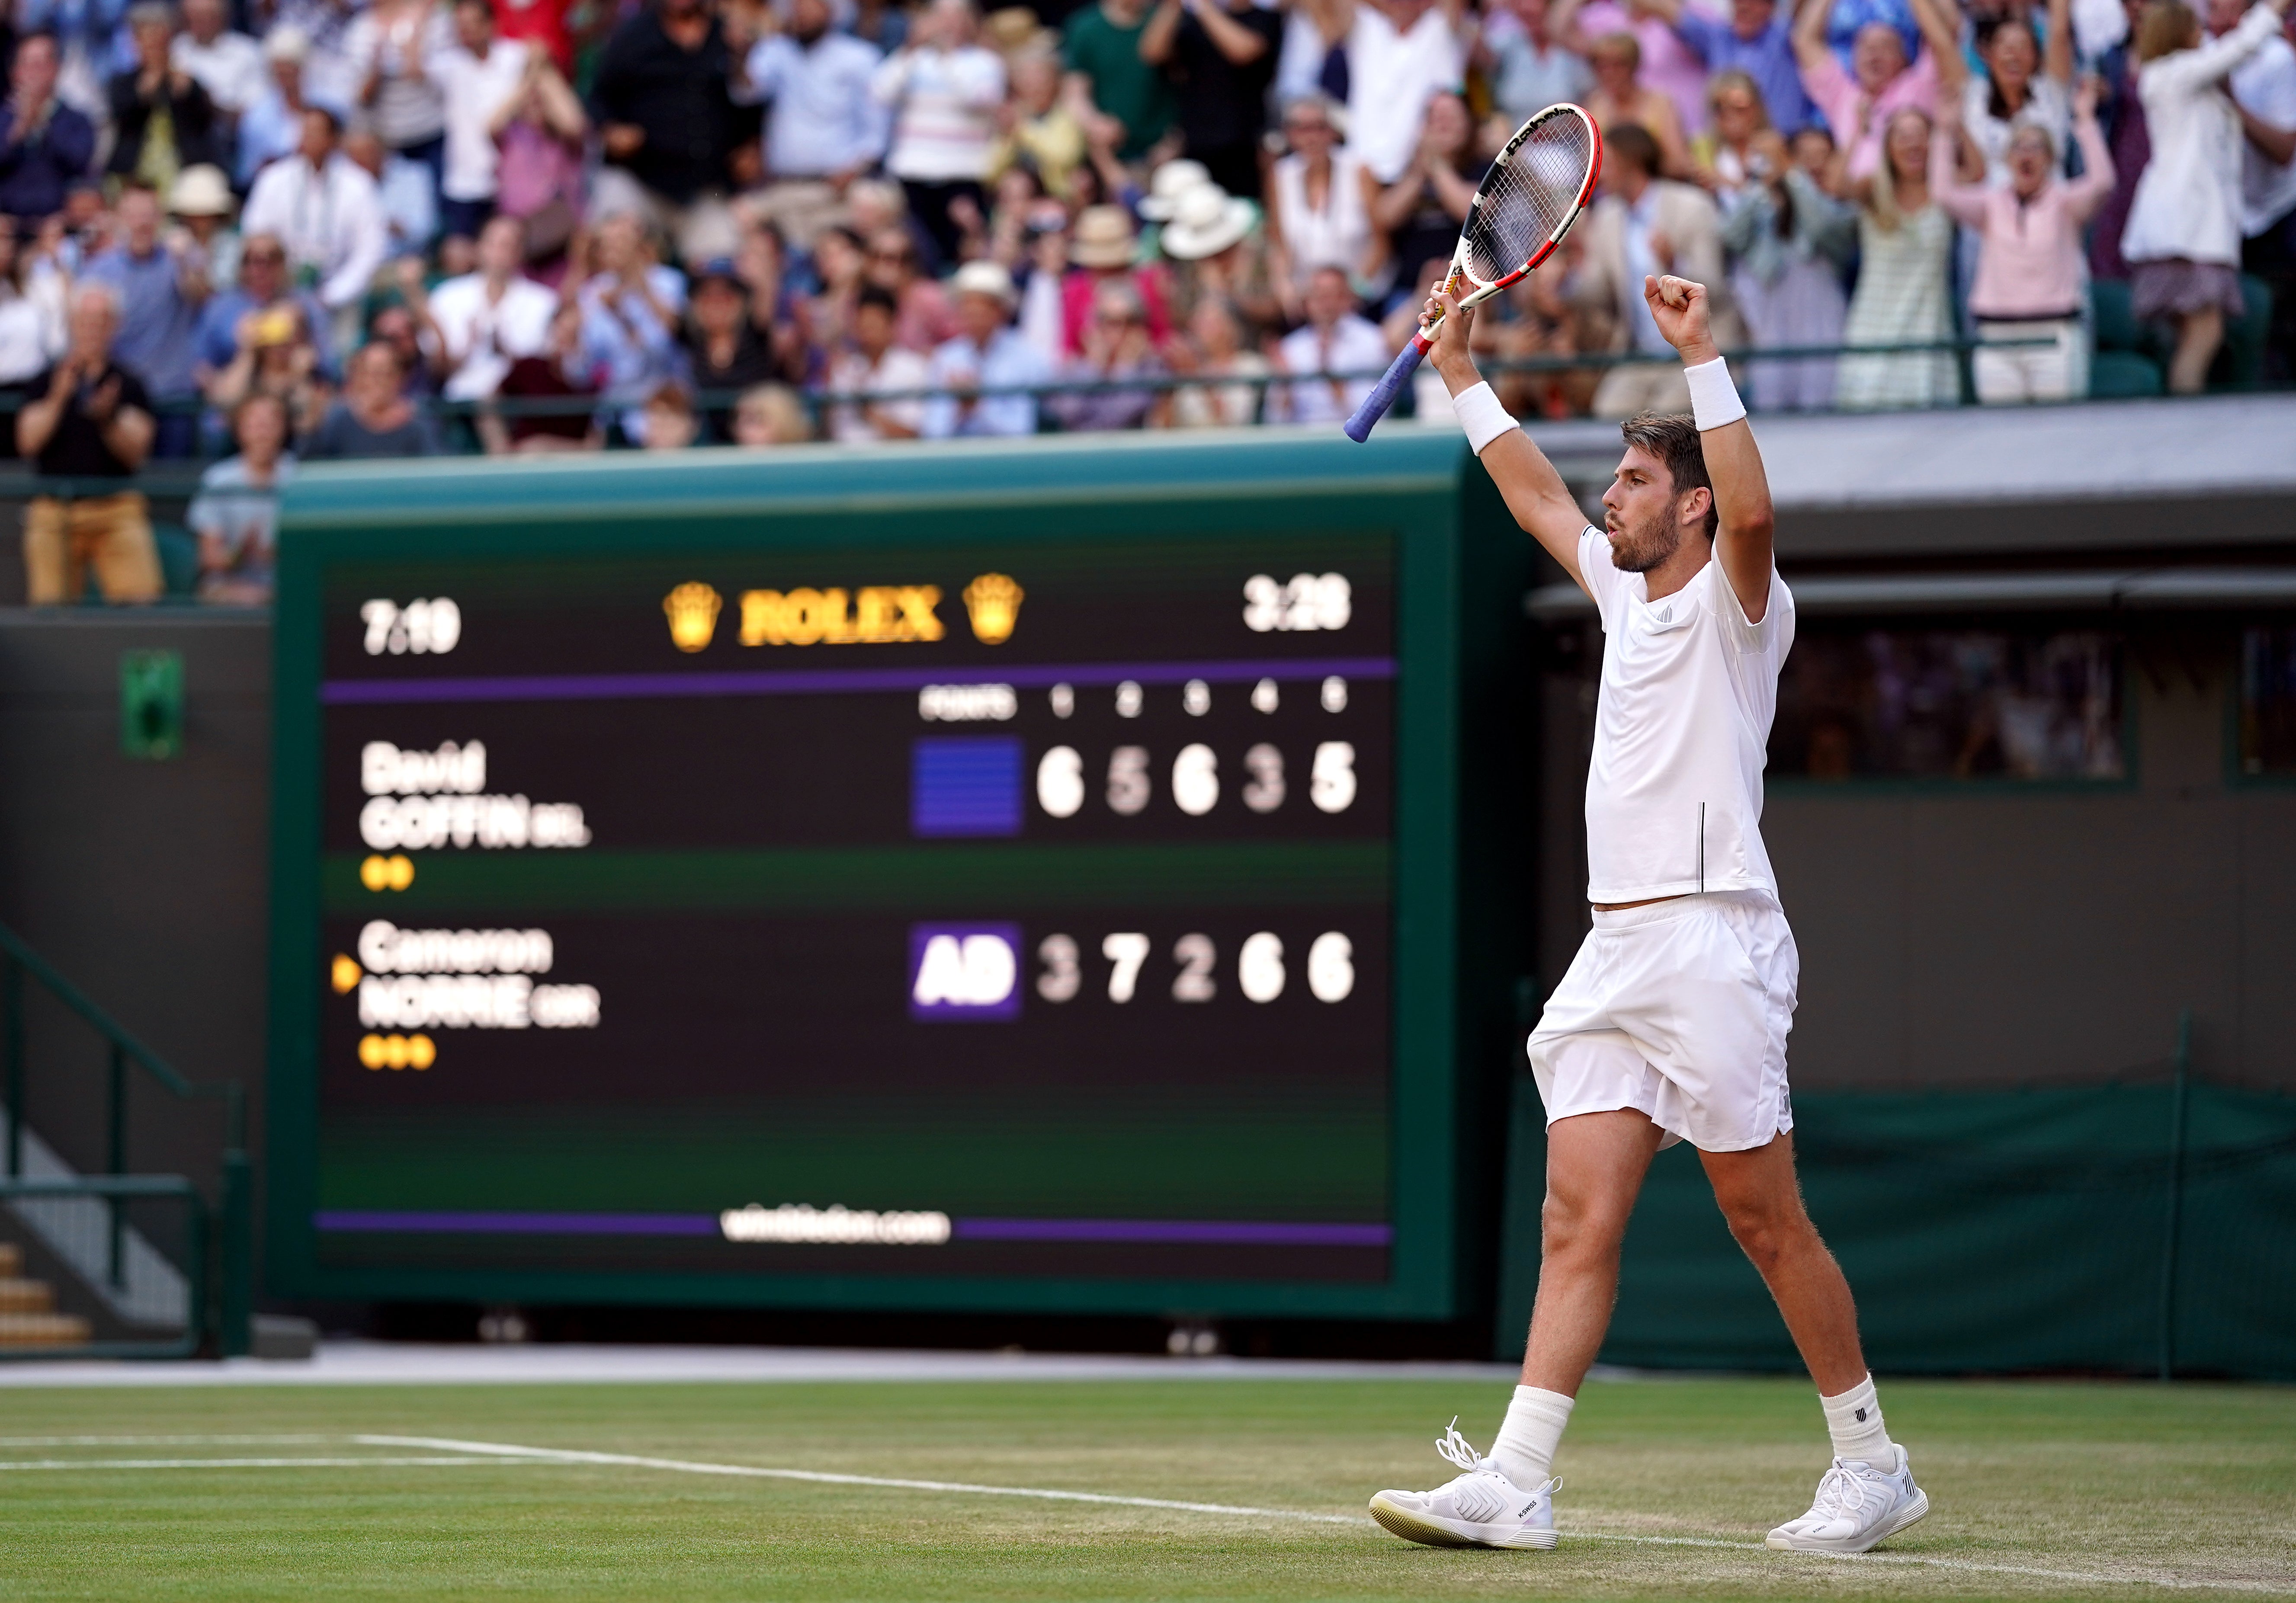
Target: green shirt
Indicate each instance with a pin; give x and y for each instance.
(1123, 86)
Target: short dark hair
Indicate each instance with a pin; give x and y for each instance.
(878, 296)
(1632, 142)
(1673, 439)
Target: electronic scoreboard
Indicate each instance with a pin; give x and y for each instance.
(1024, 878)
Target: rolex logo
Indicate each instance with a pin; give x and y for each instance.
(693, 609)
(993, 602)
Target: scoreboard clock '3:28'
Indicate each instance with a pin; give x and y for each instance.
(995, 912)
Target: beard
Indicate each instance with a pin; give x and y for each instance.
(1647, 546)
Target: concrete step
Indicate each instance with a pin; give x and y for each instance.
(43, 1330)
(18, 1296)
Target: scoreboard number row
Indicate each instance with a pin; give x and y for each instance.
(1261, 973)
(1195, 779)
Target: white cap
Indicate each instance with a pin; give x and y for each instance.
(984, 278)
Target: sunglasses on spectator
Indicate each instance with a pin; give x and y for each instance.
(891, 256)
(1117, 320)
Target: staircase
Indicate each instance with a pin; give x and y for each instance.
(28, 1315)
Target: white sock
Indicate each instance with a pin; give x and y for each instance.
(1854, 1418)
(1525, 1449)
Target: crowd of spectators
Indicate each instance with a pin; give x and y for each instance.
(253, 231)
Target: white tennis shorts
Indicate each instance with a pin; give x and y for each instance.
(1680, 1011)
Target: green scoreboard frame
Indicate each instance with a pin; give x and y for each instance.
(1454, 863)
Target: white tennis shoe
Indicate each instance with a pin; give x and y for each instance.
(1859, 1507)
(1479, 1508)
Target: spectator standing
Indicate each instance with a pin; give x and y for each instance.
(89, 424)
(1040, 128)
(236, 512)
(2029, 282)
(2264, 93)
(1666, 66)
(1400, 54)
(158, 296)
(877, 364)
(1860, 103)
(2183, 239)
(325, 210)
(374, 418)
(1116, 348)
(472, 327)
(1319, 206)
(1219, 57)
(1422, 211)
(409, 196)
(2020, 88)
(666, 121)
(987, 354)
(631, 308)
(824, 128)
(1643, 226)
(1755, 41)
(1791, 241)
(272, 124)
(1335, 339)
(944, 89)
(1904, 241)
(391, 48)
(31, 313)
(228, 64)
(44, 144)
(477, 78)
(542, 25)
(1227, 395)
(1121, 99)
(162, 120)
(1531, 69)
(538, 175)
(1739, 118)
(1620, 98)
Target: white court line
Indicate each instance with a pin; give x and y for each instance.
(174, 1441)
(505, 1451)
(462, 1461)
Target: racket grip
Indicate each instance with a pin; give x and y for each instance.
(1390, 385)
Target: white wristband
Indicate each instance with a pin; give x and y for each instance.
(1480, 414)
(1714, 400)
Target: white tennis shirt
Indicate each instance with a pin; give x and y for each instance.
(1682, 732)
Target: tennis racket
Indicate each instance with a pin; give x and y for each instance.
(1535, 190)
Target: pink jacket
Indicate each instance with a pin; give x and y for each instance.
(2030, 266)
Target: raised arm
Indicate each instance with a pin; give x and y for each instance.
(2057, 55)
(1734, 462)
(1809, 33)
(1542, 503)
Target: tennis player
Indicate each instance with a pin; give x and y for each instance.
(1671, 1023)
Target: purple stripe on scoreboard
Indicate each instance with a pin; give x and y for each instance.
(1193, 1233)
(832, 682)
(1205, 1233)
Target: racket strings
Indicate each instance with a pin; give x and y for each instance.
(1526, 200)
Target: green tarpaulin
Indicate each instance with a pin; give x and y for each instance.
(2089, 1229)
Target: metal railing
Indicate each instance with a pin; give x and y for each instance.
(230, 1302)
(158, 1302)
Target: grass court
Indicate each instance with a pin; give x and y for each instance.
(2040, 1490)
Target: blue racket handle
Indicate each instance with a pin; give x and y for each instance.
(1390, 385)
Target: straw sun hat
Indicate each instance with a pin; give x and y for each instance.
(1102, 238)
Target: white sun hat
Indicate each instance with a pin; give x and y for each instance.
(1207, 222)
(1172, 180)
